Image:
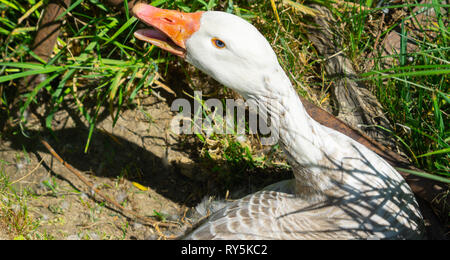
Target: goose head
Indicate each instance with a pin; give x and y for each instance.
(222, 45)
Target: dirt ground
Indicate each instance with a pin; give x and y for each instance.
(135, 150)
(3, 234)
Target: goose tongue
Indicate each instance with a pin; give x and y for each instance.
(171, 28)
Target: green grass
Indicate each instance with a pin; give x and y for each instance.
(98, 63)
(414, 89)
(14, 213)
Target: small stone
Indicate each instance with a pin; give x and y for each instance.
(73, 237)
(137, 226)
(84, 196)
(65, 205)
(121, 197)
(94, 236)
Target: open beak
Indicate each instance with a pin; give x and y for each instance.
(170, 29)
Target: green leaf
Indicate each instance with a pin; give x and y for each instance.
(29, 73)
(426, 175)
(157, 3)
(69, 9)
(24, 65)
(403, 44)
(121, 29)
(420, 73)
(56, 98)
(445, 150)
(35, 91)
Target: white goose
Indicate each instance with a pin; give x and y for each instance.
(341, 190)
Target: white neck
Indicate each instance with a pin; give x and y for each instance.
(309, 148)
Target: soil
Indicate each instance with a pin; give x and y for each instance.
(135, 150)
(3, 233)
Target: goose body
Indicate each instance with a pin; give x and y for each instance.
(341, 190)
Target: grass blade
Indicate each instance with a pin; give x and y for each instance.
(426, 175)
(69, 9)
(29, 73)
(442, 151)
(275, 11)
(121, 29)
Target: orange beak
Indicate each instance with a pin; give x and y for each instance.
(171, 29)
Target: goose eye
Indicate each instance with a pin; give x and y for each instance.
(218, 43)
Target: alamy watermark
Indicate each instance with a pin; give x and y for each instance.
(223, 117)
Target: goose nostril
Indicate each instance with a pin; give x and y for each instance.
(167, 20)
